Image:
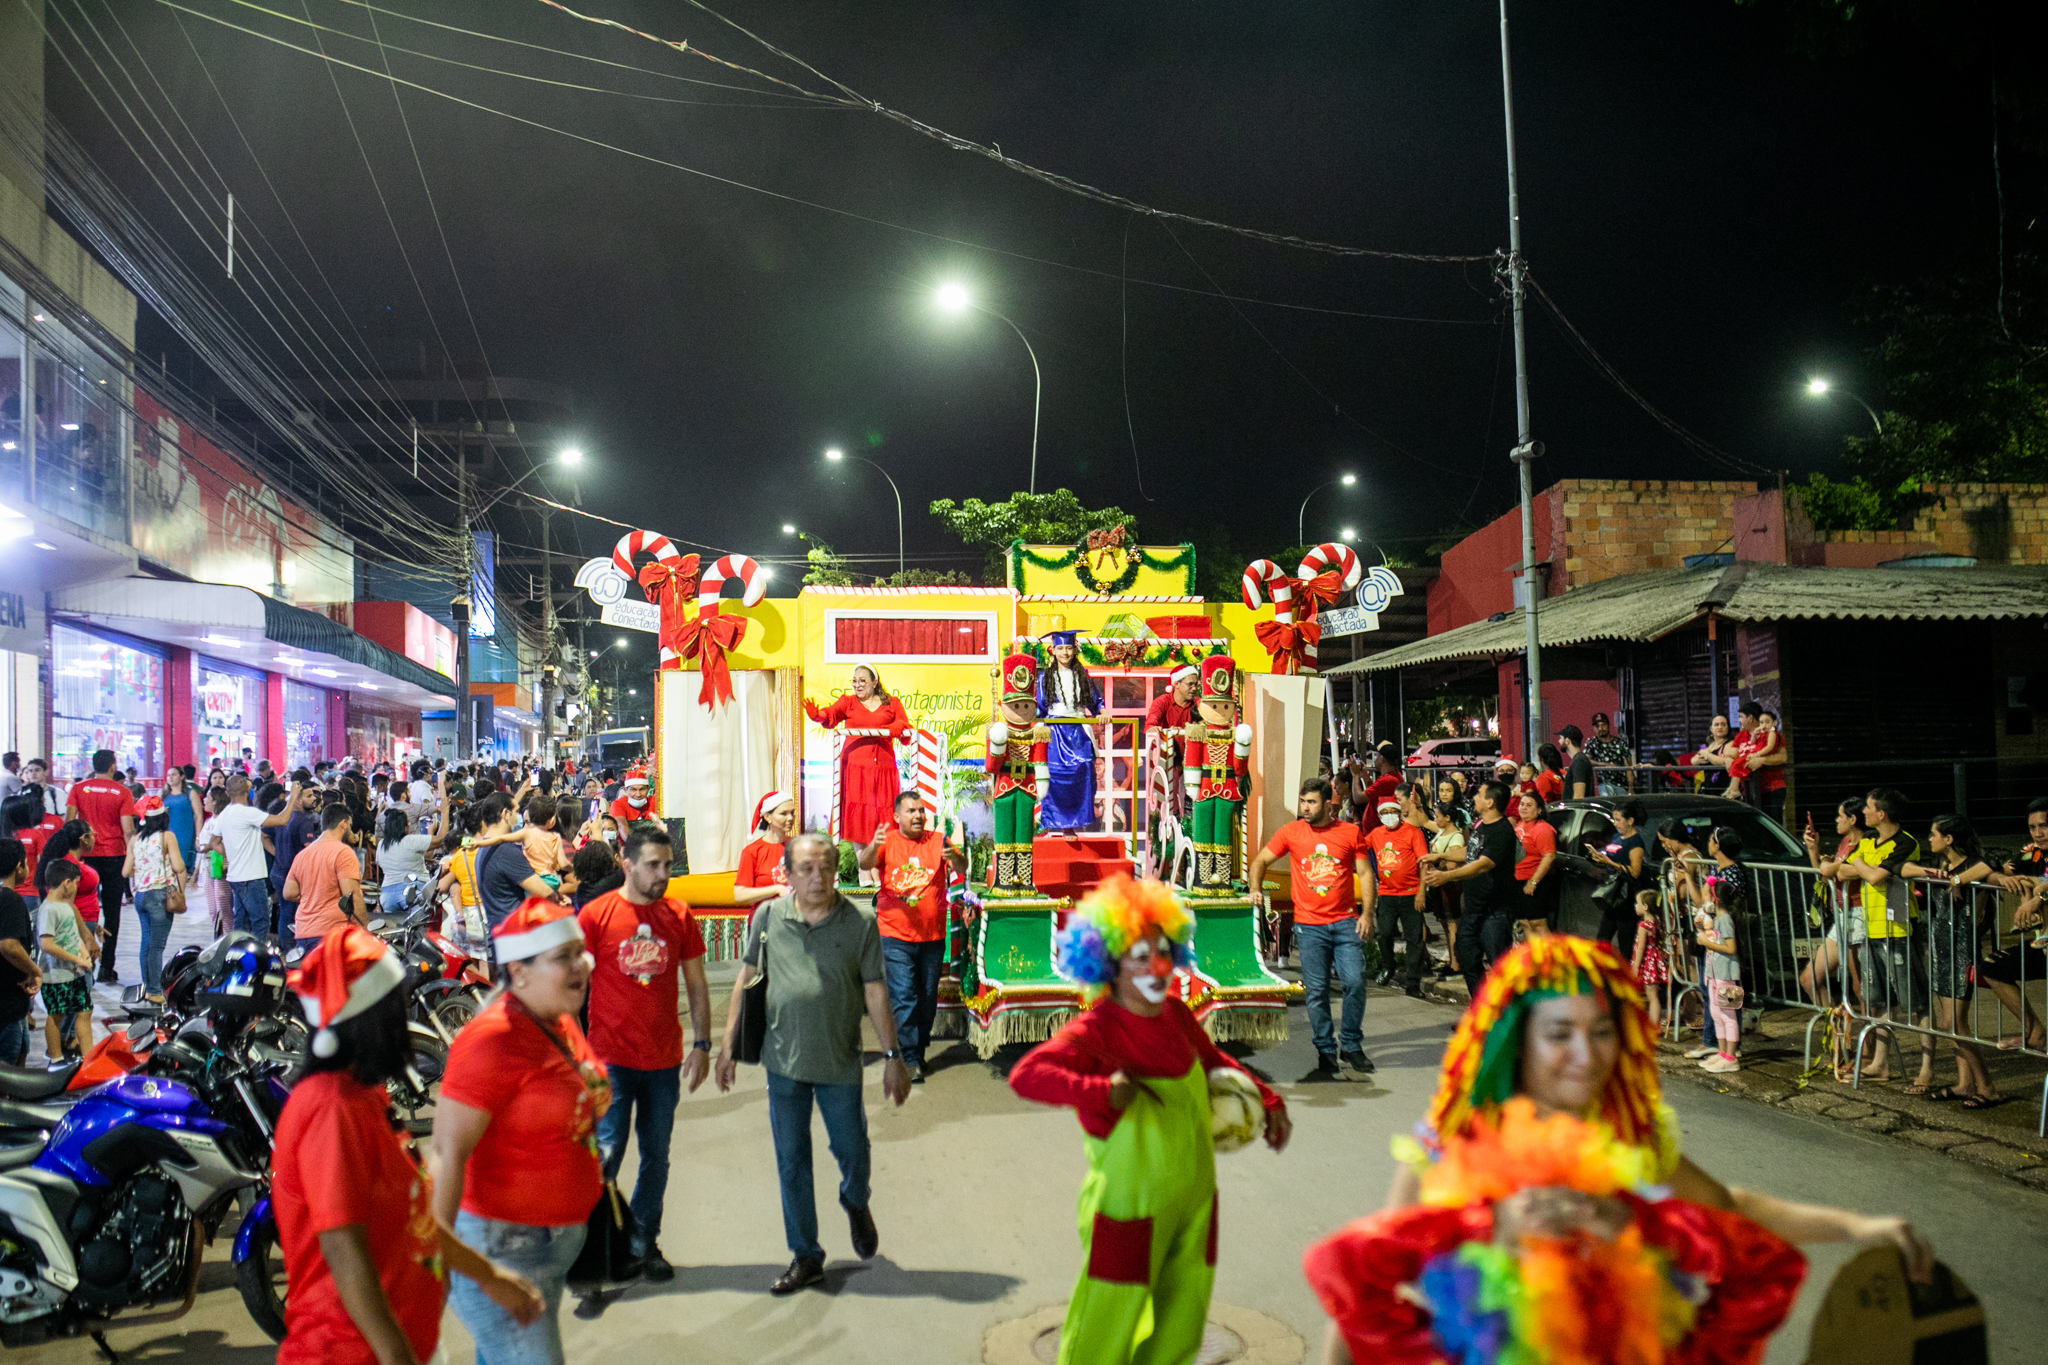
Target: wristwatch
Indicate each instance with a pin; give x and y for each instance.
(894, 1054)
(702, 1045)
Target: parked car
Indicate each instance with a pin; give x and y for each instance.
(1768, 935)
(1455, 753)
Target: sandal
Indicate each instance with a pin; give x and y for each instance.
(1942, 1094)
(1916, 1088)
(1983, 1101)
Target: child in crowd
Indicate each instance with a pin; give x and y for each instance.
(540, 843)
(1650, 966)
(1724, 974)
(69, 954)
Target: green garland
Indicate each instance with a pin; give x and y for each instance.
(1181, 559)
(1150, 654)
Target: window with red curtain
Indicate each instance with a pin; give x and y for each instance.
(881, 637)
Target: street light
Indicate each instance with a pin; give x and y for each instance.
(1349, 533)
(1301, 517)
(1820, 388)
(571, 456)
(836, 454)
(953, 297)
(788, 529)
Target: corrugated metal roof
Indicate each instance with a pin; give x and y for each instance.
(1651, 605)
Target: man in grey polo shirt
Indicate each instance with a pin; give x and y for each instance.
(823, 957)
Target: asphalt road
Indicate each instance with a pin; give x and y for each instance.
(974, 1195)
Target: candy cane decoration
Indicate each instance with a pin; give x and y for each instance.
(1332, 555)
(1265, 581)
(712, 584)
(634, 542)
(931, 763)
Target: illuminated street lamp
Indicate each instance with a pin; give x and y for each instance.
(836, 455)
(1820, 388)
(1301, 517)
(953, 298)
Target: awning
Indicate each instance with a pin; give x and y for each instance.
(1648, 606)
(248, 628)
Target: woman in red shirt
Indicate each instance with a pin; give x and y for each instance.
(515, 1162)
(73, 842)
(364, 1256)
(762, 876)
(867, 765)
(1549, 773)
(1536, 876)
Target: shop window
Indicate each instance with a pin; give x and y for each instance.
(941, 637)
(106, 695)
(227, 715)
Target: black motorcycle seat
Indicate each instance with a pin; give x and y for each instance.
(31, 1083)
(19, 1148)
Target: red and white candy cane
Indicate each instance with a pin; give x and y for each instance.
(1331, 555)
(1265, 581)
(633, 543)
(712, 584)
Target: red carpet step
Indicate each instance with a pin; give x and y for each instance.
(1073, 864)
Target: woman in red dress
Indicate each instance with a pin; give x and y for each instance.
(867, 765)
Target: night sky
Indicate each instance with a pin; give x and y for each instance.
(1701, 201)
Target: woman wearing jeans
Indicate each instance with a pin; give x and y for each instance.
(152, 867)
(515, 1147)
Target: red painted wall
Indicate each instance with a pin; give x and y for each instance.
(1569, 701)
(178, 698)
(273, 720)
(1475, 582)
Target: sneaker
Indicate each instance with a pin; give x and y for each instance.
(1358, 1061)
(917, 1073)
(1720, 1064)
(861, 1225)
(1694, 1054)
(1328, 1064)
(1413, 992)
(802, 1274)
(654, 1267)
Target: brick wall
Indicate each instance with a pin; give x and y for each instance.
(1995, 523)
(1609, 527)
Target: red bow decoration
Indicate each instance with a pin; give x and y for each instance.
(1286, 643)
(672, 588)
(707, 638)
(1319, 591)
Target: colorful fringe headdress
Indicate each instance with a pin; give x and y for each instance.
(1118, 913)
(1481, 1064)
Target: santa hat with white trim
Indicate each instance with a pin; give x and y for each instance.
(350, 971)
(535, 927)
(771, 801)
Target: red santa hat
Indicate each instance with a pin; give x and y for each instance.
(350, 971)
(535, 927)
(637, 775)
(772, 801)
(1185, 673)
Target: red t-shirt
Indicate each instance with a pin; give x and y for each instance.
(101, 802)
(337, 1162)
(88, 897)
(1168, 713)
(537, 1161)
(634, 989)
(33, 837)
(1321, 862)
(1538, 838)
(910, 905)
(1549, 785)
(1378, 790)
(622, 809)
(761, 865)
(1397, 854)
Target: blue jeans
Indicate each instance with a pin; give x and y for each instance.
(287, 911)
(1709, 1036)
(912, 973)
(846, 1132)
(543, 1256)
(646, 1102)
(251, 901)
(391, 897)
(14, 1041)
(154, 919)
(1322, 946)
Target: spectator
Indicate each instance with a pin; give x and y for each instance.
(1723, 973)
(402, 856)
(1323, 853)
(301, 827)
(1666, 777)
(1578, 777)
(596, 871)
(514, 1159)
(1894, 979)
(540, 843)
(10, 776)
(73, 843)
(36, 773)
(1952, 938)
(1450, 802)
(1611, 752)
(153, 866)
(238, 833)
(1397, 844)
(109, 808)
(1629, 856)
(2004, 969)
(20, 977)
(649, 951)
(910, 910)
(1756, 772)
(1487, 878)
(1649, 962)
(1841, 921)
(761, 876)
(69, 949)
(1447, 825)
(1715, 755)
(1386, 778)
(823, 959)
(1536, 910)
(184, 816)
(1548, 778)
(213, 866)
(504, 878)
(325, 883)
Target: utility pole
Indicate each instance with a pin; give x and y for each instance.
(459, 609)
(1527, 447)
(549, 655)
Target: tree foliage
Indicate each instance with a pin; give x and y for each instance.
(1055, 518)
(828, 569)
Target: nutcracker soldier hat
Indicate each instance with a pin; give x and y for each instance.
(1020, 678)
(535, 927)
(348, 973)
(1219, 677)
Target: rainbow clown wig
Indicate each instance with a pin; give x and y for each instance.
(1482, 1065)
(1117, 914)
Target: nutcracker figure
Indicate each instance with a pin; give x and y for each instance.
(1216, 764)
(1017, 759)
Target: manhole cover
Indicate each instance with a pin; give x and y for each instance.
(1220, 1346)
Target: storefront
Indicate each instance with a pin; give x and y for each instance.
(228, 711)
(378, 733)
(310, 733)
(107, 693)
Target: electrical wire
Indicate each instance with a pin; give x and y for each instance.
(854, 99)
(1124, 358)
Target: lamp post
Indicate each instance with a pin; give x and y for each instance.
(1820, 388)
(953, 297)
(836, 454)
(1301, 517)
(1527, 448)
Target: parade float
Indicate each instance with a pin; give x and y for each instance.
(986, 700)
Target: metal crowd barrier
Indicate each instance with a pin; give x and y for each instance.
(1962, 972)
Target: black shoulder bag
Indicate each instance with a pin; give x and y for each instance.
(753, 1030)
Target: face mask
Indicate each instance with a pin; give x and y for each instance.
(1389, 819)
(636, 802)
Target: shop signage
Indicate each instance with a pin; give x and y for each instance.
(21, 622)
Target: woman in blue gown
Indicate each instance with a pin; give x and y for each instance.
(1066, 690)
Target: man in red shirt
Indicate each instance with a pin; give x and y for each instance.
(109, 808)
(910, 910)
(635, 801)
(1398, 845)
(1323, 854)
(645, 944)
(1173, 708)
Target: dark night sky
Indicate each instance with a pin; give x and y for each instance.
(1701, 202)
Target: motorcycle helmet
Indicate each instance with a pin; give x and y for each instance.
(182, 978)
(241, 976)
